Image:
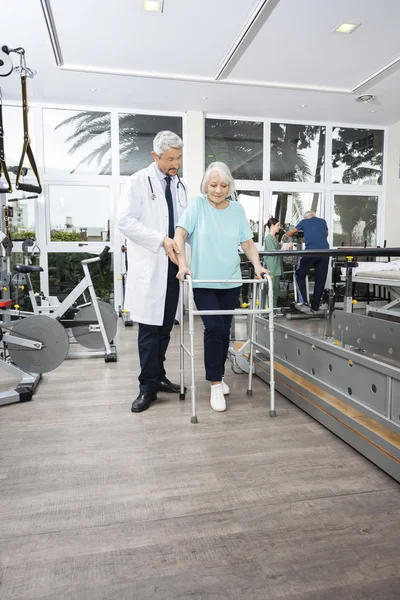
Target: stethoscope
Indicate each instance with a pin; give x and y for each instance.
(180, 183)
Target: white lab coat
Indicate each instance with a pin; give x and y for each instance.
(144, 222)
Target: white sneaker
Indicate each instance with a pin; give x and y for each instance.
(217, 399)
(225, 388)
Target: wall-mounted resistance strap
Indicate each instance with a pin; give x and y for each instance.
(27, 150)
(4, 189)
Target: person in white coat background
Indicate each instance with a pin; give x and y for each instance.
(147, 213)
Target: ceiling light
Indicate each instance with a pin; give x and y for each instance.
(346, 27)
(303, 105)
(365, 98)
(92, 89)
(153, 5)
(373, 111)
(204, 97)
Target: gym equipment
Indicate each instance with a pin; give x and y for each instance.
(343, 370)
(92, 324)
(24, 73)
(251, 343)
(3, 167)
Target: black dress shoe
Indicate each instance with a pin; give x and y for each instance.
(169, 388)
(143, 401)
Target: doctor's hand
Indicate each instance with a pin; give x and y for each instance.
(259, 270)
(171, 249)
(182, 272)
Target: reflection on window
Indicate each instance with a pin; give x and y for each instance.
(297, 152)
(21, 218)
(79, 213)
(250, 200)
(357, 156)
(136, 134)
(65, 272)
(354, 220)
(289, 207)
(77, 141)
(239, 144)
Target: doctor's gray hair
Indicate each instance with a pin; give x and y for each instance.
(166, 140)
(309, 214)
(225, 174)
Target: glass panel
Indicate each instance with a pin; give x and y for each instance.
(79, 213)
(297, 152)
(250, 200)
(239, 144)
(354, 220)
(21, 219)
(77, 141)
(65, 272)
(289, 207)
(136, 134)
(357, 156)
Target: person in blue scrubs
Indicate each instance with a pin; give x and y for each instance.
(315, 232)
(215, 226)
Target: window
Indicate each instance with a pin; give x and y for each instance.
(66, 271)
(357, 156)
(136, 134)
(297, 153)
(239, 144)
(21, 218)
(79, 213)
(77, 141)
(289, 207)
(250, 200)
(354, 220)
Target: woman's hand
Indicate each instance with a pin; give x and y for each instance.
(259, 271)
(182, 272)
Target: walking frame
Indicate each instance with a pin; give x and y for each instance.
(251, 342)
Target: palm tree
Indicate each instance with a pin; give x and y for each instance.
(136, 134)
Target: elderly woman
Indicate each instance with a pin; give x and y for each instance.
(216, 226)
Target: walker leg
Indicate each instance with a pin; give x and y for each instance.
(182, 352)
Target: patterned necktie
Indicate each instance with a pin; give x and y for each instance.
(168, 196)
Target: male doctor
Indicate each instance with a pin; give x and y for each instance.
(147, 213)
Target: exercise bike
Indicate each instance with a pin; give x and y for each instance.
(92, 324)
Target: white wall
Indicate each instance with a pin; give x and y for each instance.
(392, 204)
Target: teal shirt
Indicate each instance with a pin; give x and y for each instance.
(273, 263)
(214, 237)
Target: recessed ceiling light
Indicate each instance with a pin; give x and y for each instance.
(92, 89)
(365, 98)
(303, 105)
(204, 97)
(373, 111)
(153, 5)
(346, 27)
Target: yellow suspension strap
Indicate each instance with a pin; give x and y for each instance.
(26, 149)
(4, 189)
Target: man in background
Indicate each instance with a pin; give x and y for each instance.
(315, 232)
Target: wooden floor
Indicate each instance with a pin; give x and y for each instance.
(97, 503)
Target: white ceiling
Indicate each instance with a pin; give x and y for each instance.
(169, 61)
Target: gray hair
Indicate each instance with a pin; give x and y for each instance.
(166, 140)
(225, 174)
(308, 214)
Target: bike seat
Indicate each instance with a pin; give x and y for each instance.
(5, 303)
(27, 269)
